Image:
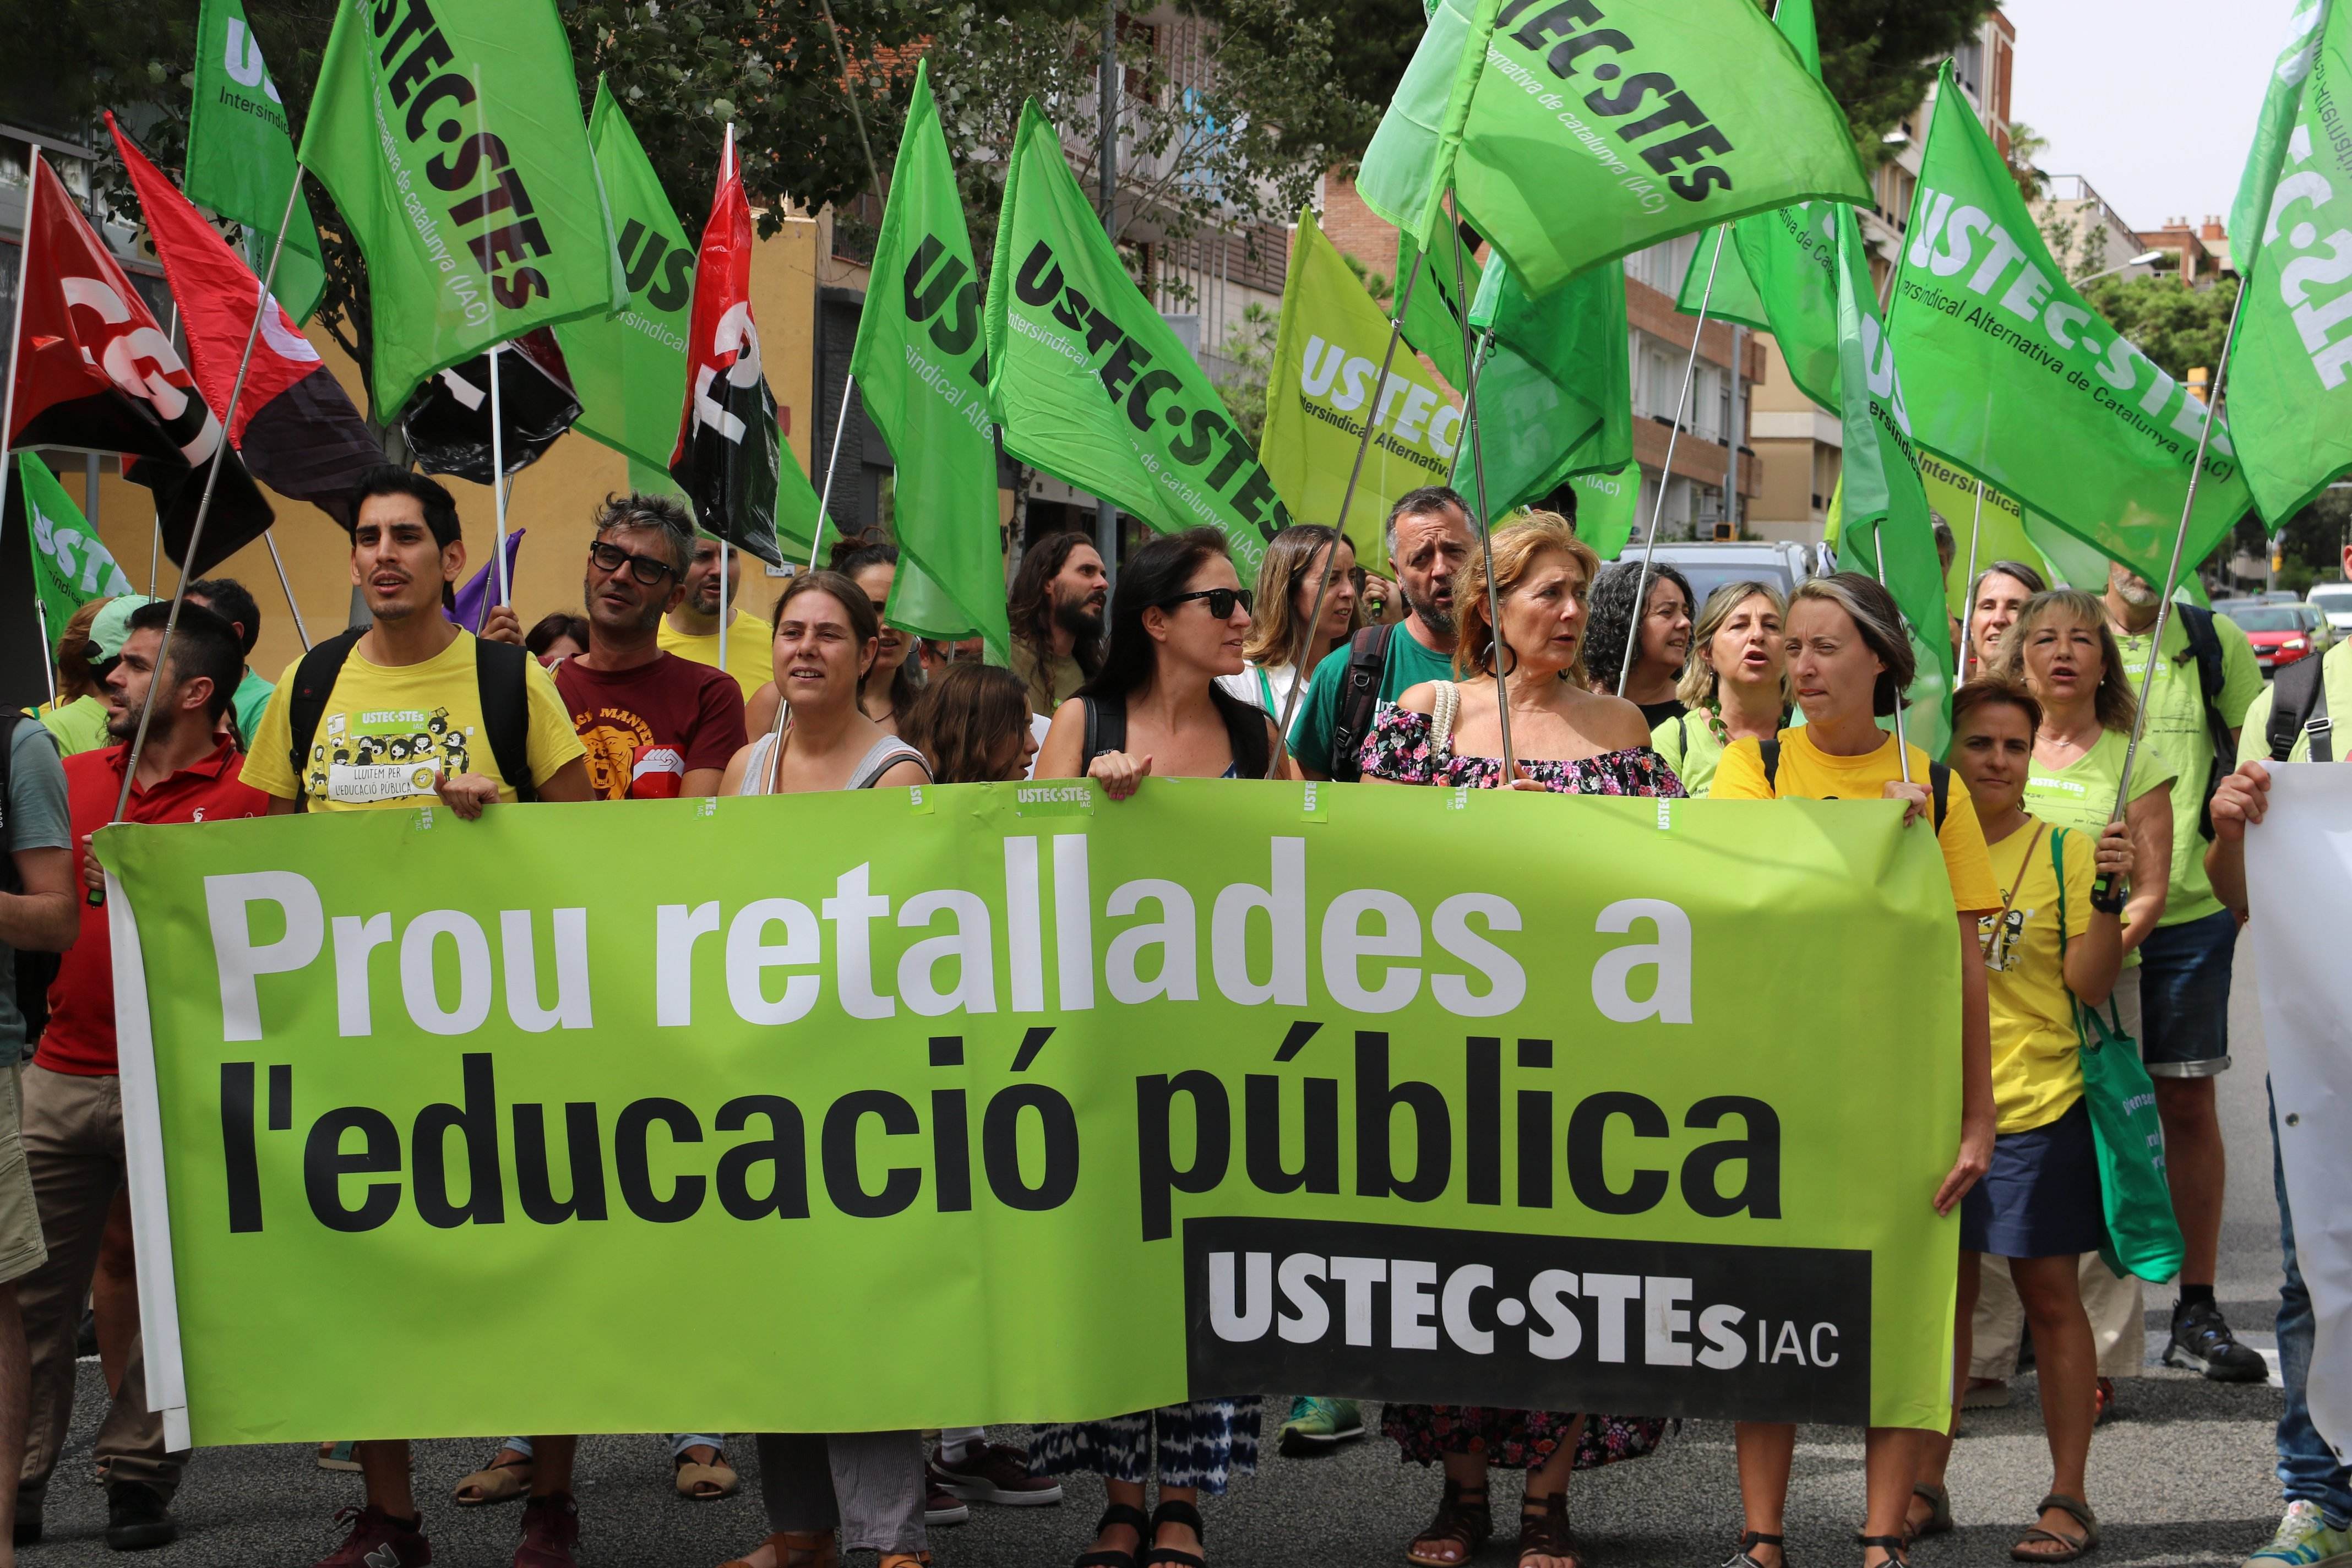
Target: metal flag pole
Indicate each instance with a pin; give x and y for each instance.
(1485, 525)
(155, 539)
(1666, 472)
(221, 458)
(1901, 742)
(48, 663)
(267, 537)
(1968, 610)
(8, 399)
(824, 497)
(498, 475)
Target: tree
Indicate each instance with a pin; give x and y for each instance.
(1880, 56)
(1249, 348)
(2025, 145)
(2178, 326)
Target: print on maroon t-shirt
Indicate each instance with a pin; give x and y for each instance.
(670, 704)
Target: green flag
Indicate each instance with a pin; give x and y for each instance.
(2290, 374)
(454, 150)
(1597, 129)
(1555, 388)
(1091, 384)
(2011, 375)
(1606, 507)
(1884, 529)
(71, 566)
(922, 372)
(1732, 296)
(629, 369)
(241, 159)
(1432, 319)
(1324, 383)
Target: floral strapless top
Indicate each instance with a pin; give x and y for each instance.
(1402, 750)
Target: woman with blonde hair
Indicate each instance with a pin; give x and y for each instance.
(1736, 686)
(1566, 740)
(1280, 646)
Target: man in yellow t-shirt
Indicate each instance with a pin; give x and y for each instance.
(691, 630)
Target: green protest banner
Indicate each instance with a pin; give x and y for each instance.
(450, 138)
(2290, 401)
(1541, 1114)
(241, 156)
(1092, 386)
(1326, 380)
(629, 369)
(1600, 127)
(70, 565)
(2009, 374)
(923, 374)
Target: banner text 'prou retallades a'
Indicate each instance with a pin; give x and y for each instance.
(1545, 1118)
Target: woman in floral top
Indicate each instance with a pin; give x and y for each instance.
(1565, 739)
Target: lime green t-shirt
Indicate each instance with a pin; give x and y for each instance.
(2175, 730)
(2335, 680)
(2079, 795)
(1408, 665)
(77, 726)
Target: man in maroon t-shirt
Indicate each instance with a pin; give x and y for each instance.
(657, 726)
(72, 1093)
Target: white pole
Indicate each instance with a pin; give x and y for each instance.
(498, 474)
(155, 540)
(1667, 473)
(269, 537)
(1968, 610)
(1902, 743)
(727, 600)
(1486, 524)
(8, 399)
(824, 497)
(48, 663)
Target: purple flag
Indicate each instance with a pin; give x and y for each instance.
(480, 594)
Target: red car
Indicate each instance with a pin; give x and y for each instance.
(2277, 632)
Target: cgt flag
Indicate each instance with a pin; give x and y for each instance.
(241, 159)
(729, 459)
(294, 424)
(93, 369)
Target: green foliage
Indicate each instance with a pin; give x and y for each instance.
(1376, 284)
(1879, 58)
(1249, 347)
(2178, 326)
(2025, 145)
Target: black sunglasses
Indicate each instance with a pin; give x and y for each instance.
(610, 558)
(1221, 600)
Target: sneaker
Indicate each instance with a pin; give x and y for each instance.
(137, 1518)
(1317, 1426)
(1985, 1394)
(550, 1529)
(2201, 1342)
(2304, 1540)
(997, 1473)
(378, 1540)
(941, 1506)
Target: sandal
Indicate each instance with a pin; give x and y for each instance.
(338, 1456)
(2070, 1546)
(1173, 1512)
(1746, 1552)
(1543, 1530)
(796, 1550)
(505, 1479)
(1463, 1521)
(706, 1483)
(1136, 1520)
(1940, 1513)
(1896, 1547)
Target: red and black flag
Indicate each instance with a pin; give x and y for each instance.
(93, 370)
(447, 423)
(727, 459)
(296, 427)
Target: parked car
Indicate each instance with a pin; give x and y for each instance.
(1709, 566)
(2333, 600)
(2278, 596)
(2277, 631)
(2315, 621)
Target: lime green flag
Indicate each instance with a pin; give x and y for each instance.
(2011, 375)
(1433, 317)
(629, 369)
(1092, 386)
(71, 566)
(1324, 384)
(241, 158)
(1555, 388)
(1732, 296)
(922, 372)
(1885, 531)
(452, 144)
(2290, 374)
(1606, 507)
(1592, 133)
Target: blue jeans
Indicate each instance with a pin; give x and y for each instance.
(2307, 1471)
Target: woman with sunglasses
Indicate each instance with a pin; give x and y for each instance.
(1280, 643)
(1179, 620)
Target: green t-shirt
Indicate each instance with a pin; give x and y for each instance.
(249, 701)
(2335, 680)
(1408, 665)
(2080, 795)
(2175, 730)
(78, 726)
(1687, 743)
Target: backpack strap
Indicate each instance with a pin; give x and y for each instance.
(314, 683)
(2299, 706)
(502, 682)
(1770, 752)
(1105, 729)
(9, 881)
(2205, 646)
(1360, 695)
(1939, 787)
(1246, 731)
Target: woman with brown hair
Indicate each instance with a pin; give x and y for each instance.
(1735, 687)
(76, 717)
(1280, 645)
(972, 722)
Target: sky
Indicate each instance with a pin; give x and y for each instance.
(2153, 102)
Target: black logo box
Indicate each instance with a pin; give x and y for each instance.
(1681, 1321)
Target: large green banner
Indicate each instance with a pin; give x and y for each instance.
(1005, 1103)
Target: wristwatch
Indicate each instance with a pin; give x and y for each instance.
(2107, 898)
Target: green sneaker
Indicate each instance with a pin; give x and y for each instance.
(2304, 1540)
(1317, 1426)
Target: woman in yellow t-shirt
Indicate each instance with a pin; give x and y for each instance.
(2039, 1206)
(1850, 662)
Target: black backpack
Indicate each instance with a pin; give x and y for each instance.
(1939, 779)
(2205, 647)
(1359, 697)
(2299, 706)
(34, 970)
(499, 683)
(1245, 728)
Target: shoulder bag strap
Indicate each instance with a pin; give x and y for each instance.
(1443, 716)
(2299, 700)
(2010, 902)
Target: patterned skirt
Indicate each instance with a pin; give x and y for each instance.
(1204, 1444)
(1514, 1439)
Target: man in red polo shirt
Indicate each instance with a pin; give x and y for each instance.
(73, 1098)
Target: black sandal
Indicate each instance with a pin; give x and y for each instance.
(1748, 1545)
(1896, 1547)
(1134, 1519)
(1464, 1518)
(1171, 1511)
(1544, 1533)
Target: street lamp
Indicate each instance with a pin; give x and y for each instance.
(2145, 258)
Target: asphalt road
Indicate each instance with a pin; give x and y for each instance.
(2183, 1475)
